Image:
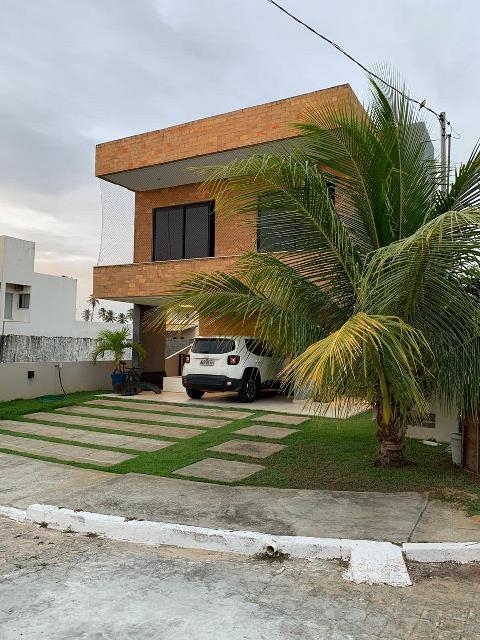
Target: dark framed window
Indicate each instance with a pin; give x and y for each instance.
(7, 313)
(186, 231)
(214, 346)
(24, 301)
(258, 347)
(428, 422)
(270, 235)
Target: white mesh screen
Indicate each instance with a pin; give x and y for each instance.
(118, 213)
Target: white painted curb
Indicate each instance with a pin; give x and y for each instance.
(459, 552)
(377, 563)
(13, 514)
(371, 562)
(180, 535)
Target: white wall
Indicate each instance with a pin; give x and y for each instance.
(52, 298)
(76, 376)
(446, 423)
(52, 311)
(16, 260)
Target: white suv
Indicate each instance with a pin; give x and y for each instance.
(242, 364)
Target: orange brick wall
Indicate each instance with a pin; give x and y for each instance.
(242, 128)
(211, 327)
(230, 238)
(150, 279)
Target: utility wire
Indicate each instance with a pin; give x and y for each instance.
(421, 104)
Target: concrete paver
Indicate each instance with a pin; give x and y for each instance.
(264, 431)
(222, 470)
(118, 425)
(281, 419)
(70, 452)
(208, 423)
(89, 437)
(250, 448)
(156, 405)
(24, 481)
(51, 581)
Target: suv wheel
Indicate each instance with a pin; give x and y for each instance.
(195, 394)
(249, 389)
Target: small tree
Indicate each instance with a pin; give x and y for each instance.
(87, 314)
(106, 315)
(116, 342)
(122, 318)
(109, 316)
(92, 303)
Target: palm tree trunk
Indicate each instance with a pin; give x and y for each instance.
(391, 436)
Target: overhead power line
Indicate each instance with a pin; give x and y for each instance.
(421, 103)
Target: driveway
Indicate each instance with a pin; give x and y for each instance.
(268, 401)
(59, 586)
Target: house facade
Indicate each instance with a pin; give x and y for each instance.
(178, 228)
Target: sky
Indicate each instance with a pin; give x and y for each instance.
(74, 73)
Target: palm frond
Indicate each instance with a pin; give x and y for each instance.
(464, 191)
(379, 162)
(368, 354)
(266, 296)
(296, 205)
(422, 279)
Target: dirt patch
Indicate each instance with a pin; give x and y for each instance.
(277, 556)
(422, 572)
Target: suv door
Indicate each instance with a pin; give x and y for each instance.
(263, 360)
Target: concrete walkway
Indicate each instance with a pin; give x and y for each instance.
(397, 517)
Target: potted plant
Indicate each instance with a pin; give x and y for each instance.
(117, 342)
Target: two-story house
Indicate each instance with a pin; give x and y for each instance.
(178, 230)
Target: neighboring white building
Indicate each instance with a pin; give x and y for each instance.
(42, 344)
(36, 304)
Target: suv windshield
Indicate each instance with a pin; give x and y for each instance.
(213, 345)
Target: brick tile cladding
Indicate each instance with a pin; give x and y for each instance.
(243, 128)
(130, 281)
(253, 125)
(228, 239)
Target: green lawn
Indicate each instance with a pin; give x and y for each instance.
(324, 454)
(16, 408)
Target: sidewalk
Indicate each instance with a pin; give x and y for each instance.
(394, 517)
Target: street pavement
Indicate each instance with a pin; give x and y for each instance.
(59, 586)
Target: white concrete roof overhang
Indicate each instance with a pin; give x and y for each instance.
(180, 172)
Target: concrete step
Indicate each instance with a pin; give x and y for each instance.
(173, 383)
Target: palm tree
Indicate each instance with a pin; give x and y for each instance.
(87, 314)
(115, 342)
(92, 303)
(367, 297)
(121, 318)
(106, 315)
(129, 315)
(109, 316)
